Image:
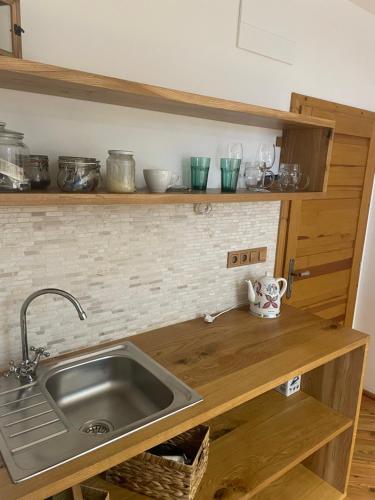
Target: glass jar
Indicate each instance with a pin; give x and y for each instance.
(120, 171)
(14, 158)
(37, 171)
(77, 174)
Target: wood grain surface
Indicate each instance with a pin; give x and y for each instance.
(53, 197)
(362, 478)
(230, 362)
(32, 76)
(326, 236)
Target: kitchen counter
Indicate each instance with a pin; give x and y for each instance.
(229, 362)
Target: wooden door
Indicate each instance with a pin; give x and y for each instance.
(325, 237)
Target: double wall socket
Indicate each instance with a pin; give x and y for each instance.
(246, 257)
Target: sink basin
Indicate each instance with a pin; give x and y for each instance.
(79, 405)
(114, 389)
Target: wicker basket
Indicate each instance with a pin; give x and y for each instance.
(165, 479)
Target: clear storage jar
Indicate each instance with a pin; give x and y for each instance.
(77, 174)
(38, 172)
(120, 171)
(14, 158)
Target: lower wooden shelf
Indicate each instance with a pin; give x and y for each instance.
(258, 442)
(299, 484)
(257, 447)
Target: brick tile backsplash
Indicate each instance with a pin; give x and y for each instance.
(133, 268)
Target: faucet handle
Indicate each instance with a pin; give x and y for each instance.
(40, 351)
(12, 370)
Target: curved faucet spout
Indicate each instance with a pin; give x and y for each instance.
(55, 291)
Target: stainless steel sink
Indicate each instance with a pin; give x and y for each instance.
(76, 406)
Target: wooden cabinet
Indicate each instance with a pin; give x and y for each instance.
(326, 237)
(307, 140)
(264, 446)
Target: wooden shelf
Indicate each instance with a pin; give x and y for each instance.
(31, 76)
(299, 484)
(284, 431)
(41, 198)
(306, 140)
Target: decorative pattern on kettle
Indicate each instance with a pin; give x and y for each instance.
(272, 296)
(265, 296)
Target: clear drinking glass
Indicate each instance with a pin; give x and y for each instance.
(291, 178)
(254, 178)
(235, 151)
(299, 180)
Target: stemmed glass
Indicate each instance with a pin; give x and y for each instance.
(266, 156)
(235, 151)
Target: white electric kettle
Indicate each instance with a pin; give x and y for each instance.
(265, 296)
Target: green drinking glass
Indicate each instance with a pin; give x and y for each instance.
(230, 168)
(200, 165)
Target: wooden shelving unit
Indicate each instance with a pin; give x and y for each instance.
(306, 140)
(284, 431)
(299, 447)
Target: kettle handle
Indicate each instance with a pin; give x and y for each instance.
(283, 288)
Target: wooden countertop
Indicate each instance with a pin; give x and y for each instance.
(229, 362)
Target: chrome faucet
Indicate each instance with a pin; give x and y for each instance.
(26, 370)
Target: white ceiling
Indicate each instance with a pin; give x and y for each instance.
(368, 5)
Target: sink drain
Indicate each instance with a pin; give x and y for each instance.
(96, 427)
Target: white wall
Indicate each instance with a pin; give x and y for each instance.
(364, 318)
(189, 45)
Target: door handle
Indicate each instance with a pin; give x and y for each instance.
(292, 274)
(301, 274)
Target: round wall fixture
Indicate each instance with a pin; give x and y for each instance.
(202, 208)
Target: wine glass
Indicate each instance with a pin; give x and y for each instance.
(266, 156)
(235, 151)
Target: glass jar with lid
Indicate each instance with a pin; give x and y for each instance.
(38, 172)
(120, 171)
(14, 158)
(78, 174)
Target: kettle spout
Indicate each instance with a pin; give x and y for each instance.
(251, 292)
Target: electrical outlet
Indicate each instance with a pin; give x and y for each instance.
(246, 257)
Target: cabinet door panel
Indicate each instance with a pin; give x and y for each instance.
(325, 237)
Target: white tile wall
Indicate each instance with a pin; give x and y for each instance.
(133, 268)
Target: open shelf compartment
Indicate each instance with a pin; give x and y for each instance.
(306, 140)
(261, 441)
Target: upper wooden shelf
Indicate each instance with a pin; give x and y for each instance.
(31, 76)
(50, 197)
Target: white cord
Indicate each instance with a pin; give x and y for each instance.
(208, 318)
